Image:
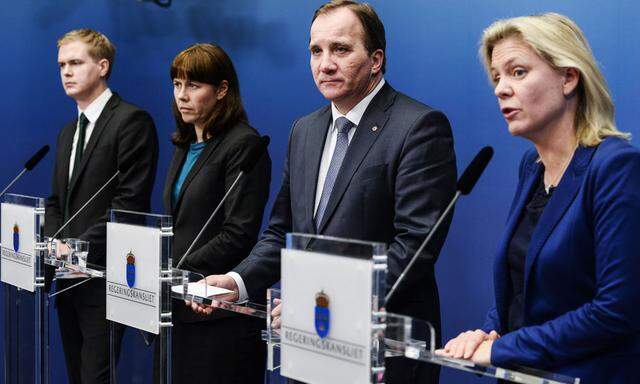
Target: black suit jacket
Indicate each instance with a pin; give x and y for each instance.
(124, 137)
(394, 182)
(234, 230)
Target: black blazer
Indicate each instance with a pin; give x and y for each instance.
(124, 137)
(397, 176)
(234, 230)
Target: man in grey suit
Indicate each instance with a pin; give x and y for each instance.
(374, 165)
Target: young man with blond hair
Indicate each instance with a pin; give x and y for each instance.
(107, 135)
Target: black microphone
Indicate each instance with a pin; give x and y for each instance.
(471, 175)
(85, 205)
(123, 167)
(254, 154)
(464, 186)
(29, 165)
(35, 159)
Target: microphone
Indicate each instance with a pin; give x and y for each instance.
(471, 175)
(85, 204)
(35, 159)
(125, 165)
(255, 153)
(464, 186)
(29, 165)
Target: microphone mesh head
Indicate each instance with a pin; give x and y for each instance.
(471, 175)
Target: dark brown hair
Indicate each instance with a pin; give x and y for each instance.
(208, 63)
(374, 36)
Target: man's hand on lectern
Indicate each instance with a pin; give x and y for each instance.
(222, 281)
(275, 314)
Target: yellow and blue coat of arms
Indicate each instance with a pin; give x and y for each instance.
(323, 316)
(131, 269)
(16, 237)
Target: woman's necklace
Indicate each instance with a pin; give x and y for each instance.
(556, 179)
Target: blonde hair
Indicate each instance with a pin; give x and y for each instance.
(99, 45)
(561, 43)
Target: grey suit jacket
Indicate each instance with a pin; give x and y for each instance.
(394, 182)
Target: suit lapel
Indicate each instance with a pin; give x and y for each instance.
(178, 159)
(314, 146)
(501, 275)
(202, 159)
(377, 115)
(98, 129)
(558, 205)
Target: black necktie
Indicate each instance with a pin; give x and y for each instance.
(83, 122)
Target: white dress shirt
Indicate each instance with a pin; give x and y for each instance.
(354, 115)
(92, 113)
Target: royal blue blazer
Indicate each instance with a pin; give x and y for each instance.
(582, 270)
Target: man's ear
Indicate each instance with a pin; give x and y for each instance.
(104, 67)
(378, 58)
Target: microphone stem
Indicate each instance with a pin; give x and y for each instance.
(422, 246)
(85, 204)
(13, 181)
(182, 259)
(70, 287)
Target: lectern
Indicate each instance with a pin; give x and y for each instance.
(25, 301)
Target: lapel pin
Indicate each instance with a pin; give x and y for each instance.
(375, 128)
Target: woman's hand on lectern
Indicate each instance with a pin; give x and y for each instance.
(471, 345)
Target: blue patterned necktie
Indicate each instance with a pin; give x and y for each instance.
(343, 125)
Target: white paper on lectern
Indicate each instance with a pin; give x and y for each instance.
(347, 282)
(200, 290)
(18, 268)
(137, 306)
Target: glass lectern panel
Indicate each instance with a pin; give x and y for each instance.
(139, 278)
(330, 287)
(25, 302)
(323, 261)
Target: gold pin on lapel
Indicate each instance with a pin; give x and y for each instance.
(374, 128)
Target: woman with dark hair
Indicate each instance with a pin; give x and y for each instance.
(212, 139)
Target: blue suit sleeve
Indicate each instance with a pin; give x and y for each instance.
(491, 322)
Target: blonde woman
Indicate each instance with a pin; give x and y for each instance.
(567, 272)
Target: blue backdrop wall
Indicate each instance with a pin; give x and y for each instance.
(432, 56)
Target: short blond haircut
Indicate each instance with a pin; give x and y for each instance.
(100, 47)
(560, 42)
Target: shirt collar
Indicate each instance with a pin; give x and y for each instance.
(356, 113)
(93, 111)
